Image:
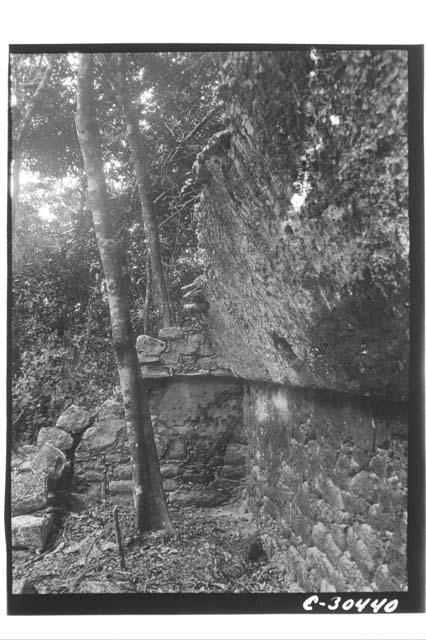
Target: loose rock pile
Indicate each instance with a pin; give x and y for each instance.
(196, 408)
(40, 478)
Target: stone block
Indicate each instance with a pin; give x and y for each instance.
(50, 461)
(190, 346)
(60, 439)
(372, 541)
(222, 372)
(154, 371)
(169, 470)
(332, 494)
(338, 532)
(364, 484)
(331, 550)
(146, 345)
(171, 333)
(384, 580)
(31, 532)
(122, 472)
(106, 436)
(170, 484)
(28, 492)
(177, 449)
(319, 532)
(198, 496)
(121, 486)
(326, 587)
(378, 465)
(354, 504)
(350, 573)
(318, 560)
(146, 358)
(74, 420)
(110, 409)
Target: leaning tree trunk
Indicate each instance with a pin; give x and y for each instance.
(150, 503)
(138, 152)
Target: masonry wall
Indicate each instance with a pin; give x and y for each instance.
(327, 483)
(197, 424)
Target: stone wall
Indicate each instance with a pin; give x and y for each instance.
(327, 483)
(324, 474)
(197, 424)
(196, 410)
(309, 298)
(187, 350)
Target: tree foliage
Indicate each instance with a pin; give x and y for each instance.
(59, 296)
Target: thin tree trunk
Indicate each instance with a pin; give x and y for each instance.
(83, 351)
(150, 503)
(138, 152)
(147, 295)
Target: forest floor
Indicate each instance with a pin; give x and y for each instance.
(208, 553)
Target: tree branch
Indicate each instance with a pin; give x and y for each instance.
(191, 134)
(30, 109)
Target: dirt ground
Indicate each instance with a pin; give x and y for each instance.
(210, 552)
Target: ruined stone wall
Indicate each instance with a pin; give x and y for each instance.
(315, 297)
(196, 411)
(327, 483)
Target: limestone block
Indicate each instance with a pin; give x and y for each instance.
(338, 532)
(171, 333)
(384, 580)
(351, 573)
(28, 492)
(50, 461)
(177, 448)
(169, 470)
(146, 358)
(107, 436)
(120, 486)
(110, 409)
(191, 345)
(148, 346)
(219, 372)
(31, 532)
(74, 420)
(364, 484)
(123, 472)
(319, 532)
(200, 496)
(326, 587)
(170, 484)
(61, 439)
(154, 371)
(331, 550)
